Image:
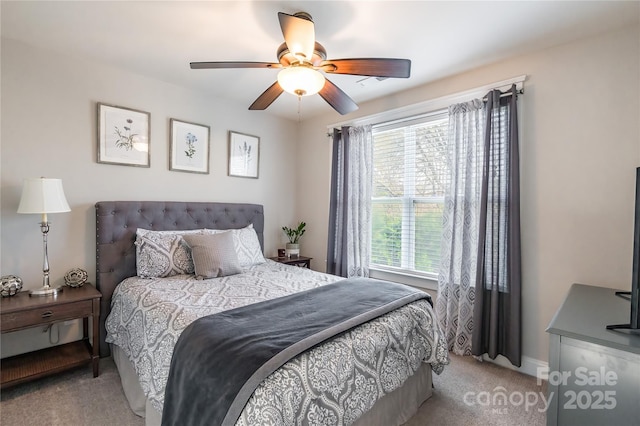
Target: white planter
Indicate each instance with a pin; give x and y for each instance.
(292, 250)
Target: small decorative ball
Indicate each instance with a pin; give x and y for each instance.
(76, 277)
(10, 285)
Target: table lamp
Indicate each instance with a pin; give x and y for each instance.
(43, 196)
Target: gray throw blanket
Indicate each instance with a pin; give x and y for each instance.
(219, 360)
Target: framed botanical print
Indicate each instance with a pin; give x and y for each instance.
(189, 150)
(123, 136)
(244, 155)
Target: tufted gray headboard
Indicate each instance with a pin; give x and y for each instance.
(117, 222)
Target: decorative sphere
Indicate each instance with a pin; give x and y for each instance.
(11, 284)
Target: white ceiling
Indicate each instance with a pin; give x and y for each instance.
(160, 38)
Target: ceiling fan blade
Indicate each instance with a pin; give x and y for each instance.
(299, 34)
(267, 97)
(373, 67)
(222, 65)
(335, 97)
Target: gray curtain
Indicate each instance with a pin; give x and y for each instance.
(459, 246)
(348, 251)
(497, 315)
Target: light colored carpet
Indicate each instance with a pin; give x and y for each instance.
(468, 393)
(72, 398)
(76, 398)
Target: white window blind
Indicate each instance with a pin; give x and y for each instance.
(410, 176)
(497, 200)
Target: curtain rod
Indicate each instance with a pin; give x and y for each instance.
(433, 104)
(484, 99)
(507, 93)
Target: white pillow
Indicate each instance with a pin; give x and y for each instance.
(246, 243)
(163, 253)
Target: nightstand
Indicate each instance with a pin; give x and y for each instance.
(304, 262)
(23, 311)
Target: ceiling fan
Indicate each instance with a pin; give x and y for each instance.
(301, 60)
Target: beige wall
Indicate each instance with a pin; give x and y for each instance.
(49, 129)
(580, 145)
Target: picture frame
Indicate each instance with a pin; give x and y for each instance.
(189, 147)
(123, 136)
(244, 155)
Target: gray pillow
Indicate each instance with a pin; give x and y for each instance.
(246, 243)
(214, 255)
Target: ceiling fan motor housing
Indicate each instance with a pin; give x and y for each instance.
(286, 58)
(303, 15)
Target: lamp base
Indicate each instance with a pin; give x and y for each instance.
(46, 291)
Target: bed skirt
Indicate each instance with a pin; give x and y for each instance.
(394, 408)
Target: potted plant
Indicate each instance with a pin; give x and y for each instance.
(293, 234)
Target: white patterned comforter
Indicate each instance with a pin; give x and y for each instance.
(333, 383)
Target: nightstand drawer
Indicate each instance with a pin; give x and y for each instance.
(43, 315)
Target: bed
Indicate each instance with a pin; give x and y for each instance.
(343, 390)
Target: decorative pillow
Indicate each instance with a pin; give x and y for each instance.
(246, 244)
(163, 253)
(214, 255)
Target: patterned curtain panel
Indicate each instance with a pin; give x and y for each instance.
(459, 253)
(348, 251)
(498, 280)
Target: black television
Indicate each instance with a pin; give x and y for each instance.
(634, 295)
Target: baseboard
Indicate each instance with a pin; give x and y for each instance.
(530, 366)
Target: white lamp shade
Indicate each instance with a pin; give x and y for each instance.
(42, 195)
(301, 81)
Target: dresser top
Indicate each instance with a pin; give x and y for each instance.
(585, 313)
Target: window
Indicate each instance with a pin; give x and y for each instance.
(409, 179)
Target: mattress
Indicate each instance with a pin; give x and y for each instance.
(334, 382)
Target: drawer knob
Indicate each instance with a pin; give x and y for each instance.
(47, 314)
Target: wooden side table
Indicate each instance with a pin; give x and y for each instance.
(302, 261)
(23, 311)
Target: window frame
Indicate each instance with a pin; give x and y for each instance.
(409, 199)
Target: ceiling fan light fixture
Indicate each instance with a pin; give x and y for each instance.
(301, 80)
